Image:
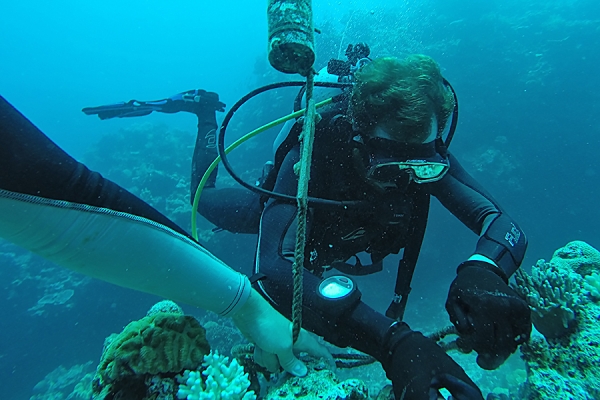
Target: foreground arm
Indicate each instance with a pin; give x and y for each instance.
(145, 256)
(55, 207)
(123, 249)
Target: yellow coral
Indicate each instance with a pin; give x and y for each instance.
(161, 343)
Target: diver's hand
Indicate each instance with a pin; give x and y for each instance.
(460, 390)
(418, 368)
(271, 333)
(490, 317)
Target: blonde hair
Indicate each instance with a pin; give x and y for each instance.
(402, 95)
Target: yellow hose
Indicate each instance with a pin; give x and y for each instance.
(233, 146)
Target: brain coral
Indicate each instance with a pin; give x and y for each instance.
(577, 256)
(165, 306)
(160, 343)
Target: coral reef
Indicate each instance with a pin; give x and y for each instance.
(160, 387)
(565, 368)
(221, 333)
(564, 363)
(244, 354)
(157, 344)
(54, 285)
(578, 257)
(319, 383)
(66, 383)
(152, 162)
(224, 381)
(554, 295)
(57, 298)
(556, 290)
(592, 285)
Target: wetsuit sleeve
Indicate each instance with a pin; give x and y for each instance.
(56, 207)
(501, 240)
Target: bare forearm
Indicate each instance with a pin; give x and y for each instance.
(122, 249)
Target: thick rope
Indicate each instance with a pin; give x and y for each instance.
(306, 139)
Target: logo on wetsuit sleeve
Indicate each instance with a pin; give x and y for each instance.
(513, 236)
(211, 139)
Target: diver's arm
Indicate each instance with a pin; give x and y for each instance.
(123, 249)
(143, 255)
(501, 240)
(112, 235)
(31, 164)
(58, 208)
(491, 317)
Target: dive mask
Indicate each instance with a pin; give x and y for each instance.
(420, 163)
(419, 171)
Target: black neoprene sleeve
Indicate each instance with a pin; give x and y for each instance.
(45, 170)
(502, 240)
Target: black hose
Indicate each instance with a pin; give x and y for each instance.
(312, 201)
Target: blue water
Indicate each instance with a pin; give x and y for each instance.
(526, 73)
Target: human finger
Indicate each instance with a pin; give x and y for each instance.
(308, 343)
(266, 359)
(459, 389)
(291, 364)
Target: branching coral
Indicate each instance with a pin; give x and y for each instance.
(556, 290)
(223, 381)
(554, 295)
(565, 365)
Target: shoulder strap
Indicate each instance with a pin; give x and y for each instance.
(406, 267)
(329, 119)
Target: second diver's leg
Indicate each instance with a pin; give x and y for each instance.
(233, 209)
(205, 150)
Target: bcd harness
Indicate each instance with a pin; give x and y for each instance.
(415, 230)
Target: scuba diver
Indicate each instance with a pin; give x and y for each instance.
(380, 153)
(54, 206)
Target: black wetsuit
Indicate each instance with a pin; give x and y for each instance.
(45, 170)
(232, 209)
(336, 234)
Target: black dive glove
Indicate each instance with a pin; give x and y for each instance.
(418, 368)
(489, 316)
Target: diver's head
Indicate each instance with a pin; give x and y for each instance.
(401, 99)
